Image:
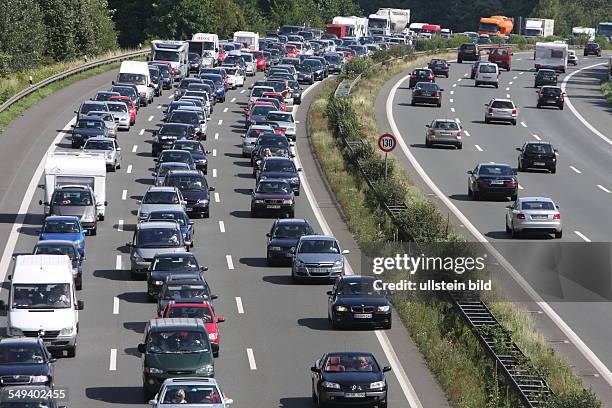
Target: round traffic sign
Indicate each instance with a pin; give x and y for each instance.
(387, 142)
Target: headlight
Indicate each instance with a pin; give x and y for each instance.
(201, 161)
(209, 369)
(136, 257)
(299, 263)
(213, 336)
(66, 331)
(38, 379)
(143, 215)
(296, 95)
(275, 248)
(338, 263)
(377, 384)
(263, 177)
(287, 201)
(203, 201)
(153, 370)
(328, 384)
(294, 179)
(109, 156)
(259, 201)
(13, 331)
(158, 283)
(341, 309)
(383, 308)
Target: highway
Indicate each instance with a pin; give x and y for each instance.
(581, 186)
(274, 330)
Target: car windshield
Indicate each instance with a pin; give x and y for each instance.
(21, 354)
(41, 296)
(104, 96)
(502, 105)
(90, 124)
(198, 312)
(538, 148)
(168, 216)
(336, 59)
(487, 69)
(269, 140)
(129, 78)
(187, 183)
(176, 156)
(262, 109)
(161, 55)
(177, 342)
(184, 117)
(258, 91)
(166, 167)
(188, 146)
(117, 107)
(185, 291)
(280, 117)
(493, 170)
(191, 394)
(351, 363)
(247, 57)
(316, 64)
(158, 238)
(426, 86)
(230, 71)
(546, 73)
(273, 187)
(125, 91)
(319, 246)
(551, 91)
(107, 117)
(422, 72)
(61, 227)
(160, 197)
(537, 205)
(361, 287)
(175, 263)
(54, 249)
(98, 145)
(279, 165)
(292, 231)
(193, 57)
(278, 86)
(446, 125)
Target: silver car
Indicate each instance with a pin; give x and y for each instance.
(197, 391)
(251, 136)
(151, 238)
(251, 65)
(501, 110)
(534, 214)
(109, 120)
(317, 257)
(258, 91)
(78, 201)
(285, 121)
(121, 113)
(160, 198)
(108, 147)
(444, 132)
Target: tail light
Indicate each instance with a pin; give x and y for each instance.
(541, 95)
(557, 216)
(460, 134)
(431, 77)
(520, 216)
(511, 183)
(562, 96)
(439, 93)
(413, 76)
(514, 111)
(490, 110)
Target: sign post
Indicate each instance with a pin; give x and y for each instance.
(387, 143)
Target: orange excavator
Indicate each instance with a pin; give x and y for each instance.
(499, 25)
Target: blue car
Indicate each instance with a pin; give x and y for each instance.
(64, 228)
(219, 85)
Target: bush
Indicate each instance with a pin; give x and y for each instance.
(343, 120)
(355, 67)
(584, 399)
(425, 222)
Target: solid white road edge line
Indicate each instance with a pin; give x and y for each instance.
(569, 104)
(112, 364)
(550, 312)
(398, 370)
(239, 305)
(251, 358)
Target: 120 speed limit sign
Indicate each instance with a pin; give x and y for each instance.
(387, 142)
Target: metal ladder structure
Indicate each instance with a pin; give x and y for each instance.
(531, 387)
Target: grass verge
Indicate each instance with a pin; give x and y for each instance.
(606, 88)
(451, 351)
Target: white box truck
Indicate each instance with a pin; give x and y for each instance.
(588, 32)
(76, 168)
(206, 46)
(174, 52)
(42, 301)
(248, 39)
(551, 55)
(356, 26)
(539, 27)
(137, 73)
(388, 21)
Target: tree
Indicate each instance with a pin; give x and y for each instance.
(22, 35)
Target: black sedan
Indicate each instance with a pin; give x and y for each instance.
(349, 378)
(273, 196)
(426, 93)
(283, 236)
(183, 287)
(439, 67)
(545, 77)
(194, 188)
(200, 156)
(354, 300)
(492, 179)
(281, 168)
(305, 74)
(25, 361)
(421, 75)
(168, 133)
(537, 155)
(551, 96)
(165, 265)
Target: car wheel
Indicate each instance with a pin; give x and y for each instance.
(118, 166)
(460, 146)
(496, 86)
(216, 353)
(508, 230)
(314, 395)
(297, 193)
(476, 83)
(459, 61)
(101, 218)
(553, 170)
(71, 352)
(561, 107)
(291, 214)
(151, 298)
(559, 235)
(427, 143)
(383, 404)
(94, 231)
(148, 395)
(538, 106)
(519, 166)
(514, 123)
(470, 193)
(487, 120)
(439, 104)
(412, 103)
(112, 169)
(514, 233)
(78, 283)
(476, 195)
(514, 197)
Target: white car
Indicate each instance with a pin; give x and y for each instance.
(121, 113)
(190, 392)
(235, 76)
(258, 91)
(572, 58)
(487, 74)
(251, 65)
(534, 214)
(108, 147)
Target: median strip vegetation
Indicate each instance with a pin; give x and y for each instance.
(606, 88)
(454, 355)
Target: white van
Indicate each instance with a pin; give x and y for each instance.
(174, 52)
(205, 43)
(137, 73)
(42, 301)
(487, 74)
(248, 39)
(76, 168)
(551, 55)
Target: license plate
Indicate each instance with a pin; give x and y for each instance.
(362, 315)
(189, 209)
(539, 217)
(318, 270)
(497, 182)
(551, 100)
(274, 207)
(538, 163)
(354, 394)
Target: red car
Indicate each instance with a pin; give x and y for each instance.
(292, 51)
(347, 55)
(278, 96)
(248, 109)
(260, 60)
(130, 106)
(193, 308)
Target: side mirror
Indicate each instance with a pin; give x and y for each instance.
(203, 268)
(142, 348)
(229, 401)
(330, 293)
(118, 149)
(80, 305)
(299, 169)
(292, 251)
(345, 252)
(53, 360)
(190, 222)
(469, 172)
(386, 369)
(72, 126)
(427, 126)
(153, 402)
(557, 207)
(211, 188)
(128, 244)
(105, 203)
(251, 190)
(183, 202)
(268, 234)
(40, 202)
(220, 319)
(315, 369)
(155, 159)
(77, 112)
(113, 82)
(441, 89)
(519, 149)
(213, 297)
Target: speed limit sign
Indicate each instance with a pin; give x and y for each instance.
(387, 142)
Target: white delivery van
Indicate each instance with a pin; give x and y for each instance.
(42, 301)
(137, 73)
(551, 55)
(205, 43)
(248, 39)
(76, 168)
(487, 74)
(174, 52)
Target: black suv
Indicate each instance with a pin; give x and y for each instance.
(168, 133)
(165, 265)
(545, 77)
(551, 96)
(537, 155)
(283, 237)
(592, 48)
(468, 52)
(194, 188)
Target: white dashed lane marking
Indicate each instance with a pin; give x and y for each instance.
(129, 169)
(124, 195)
(214, 152)
(478, 148)
(251, 358)
(120, 226)
(581, 235)
(217, 198)
(523, 124)
(134, 148)
(230, 262)
(451, 100)
(216, 136)
(118, 263)
(233, 100)
(151, 118)
(112, 364)
(239, 305)
(225, 110)
(115, 305)
(602, 188)
(575, 170)
(220, 122)
(141, 132)
(214, 172)
(221, 226)
(452, 109)
(465, 132)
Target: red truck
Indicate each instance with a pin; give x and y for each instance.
(339, 30)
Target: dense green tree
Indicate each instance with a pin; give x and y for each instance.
(22, 35)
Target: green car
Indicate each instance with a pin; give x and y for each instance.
(175, 347)
(545, 77)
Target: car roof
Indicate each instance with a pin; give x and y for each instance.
(277, 158)
(502, 100)
(100, 138)
(51, 242)
(292, 221)
(19, 340)
(350, 353)
(174, 255)
(61, 218)
(191, 381)
(544, 199)
(167, 189)
(186, 172)
(317, 238)
(157, 224)
(176, 323)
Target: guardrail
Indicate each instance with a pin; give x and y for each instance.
(526, 381)
(62, 75)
